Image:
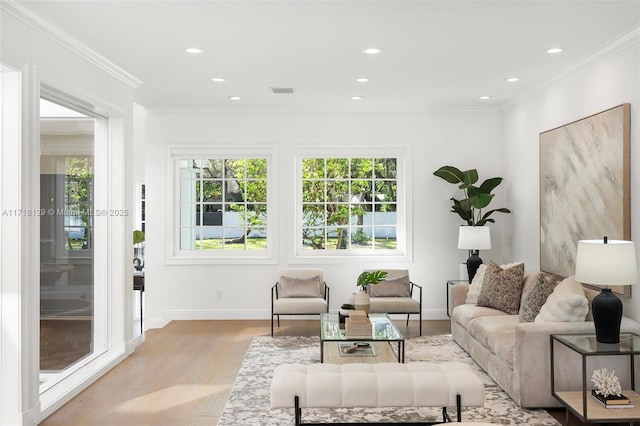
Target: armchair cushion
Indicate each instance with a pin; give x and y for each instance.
(301, 287)
(302, 305)
(392, 287)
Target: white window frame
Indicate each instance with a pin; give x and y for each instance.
(402, 154)
(175, 254)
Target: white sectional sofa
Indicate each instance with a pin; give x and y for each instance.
(516, 354)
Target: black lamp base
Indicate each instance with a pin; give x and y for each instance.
(473, 263)
(607, 315)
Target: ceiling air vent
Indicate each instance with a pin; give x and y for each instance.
(283, 90)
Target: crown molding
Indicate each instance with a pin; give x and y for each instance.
(618, 45)
(70, 43)
(319, 110)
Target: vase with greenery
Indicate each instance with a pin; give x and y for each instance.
(362, 300)
(476, 197)
(138, 250)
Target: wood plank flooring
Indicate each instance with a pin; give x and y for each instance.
(183, 373)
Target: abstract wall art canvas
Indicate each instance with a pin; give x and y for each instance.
(584, 187)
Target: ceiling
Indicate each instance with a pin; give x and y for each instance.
(435, 54)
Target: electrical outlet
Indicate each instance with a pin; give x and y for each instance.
(219, 295)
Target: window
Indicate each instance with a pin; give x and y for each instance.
(141, 199)
(350, 205)
(78, 202)
(222, 205)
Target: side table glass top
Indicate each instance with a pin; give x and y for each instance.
(382, 328)
(586, 344)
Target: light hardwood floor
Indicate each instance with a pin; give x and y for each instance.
(183, 373)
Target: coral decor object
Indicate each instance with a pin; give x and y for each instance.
(606, 383)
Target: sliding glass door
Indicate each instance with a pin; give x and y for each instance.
(67, 290)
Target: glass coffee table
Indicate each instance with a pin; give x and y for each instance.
(383, 334)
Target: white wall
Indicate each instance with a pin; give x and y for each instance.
(610, 79)
(468, 139)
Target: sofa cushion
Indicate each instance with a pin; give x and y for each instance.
(464, 314)
(301, 287)
(502, 288)
(566, 303)
(483, 328)
(392, 287)
(536, 296)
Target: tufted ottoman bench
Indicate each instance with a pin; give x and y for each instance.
(418, 384)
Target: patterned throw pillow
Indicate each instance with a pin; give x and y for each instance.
(536, 296)
(502, 288)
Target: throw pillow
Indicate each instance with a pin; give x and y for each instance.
(567, 303)
(536, 296)
(301, 287)
(502, 288)
(476, 285)
(392, 287)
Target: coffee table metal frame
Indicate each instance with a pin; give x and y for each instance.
(382, 330)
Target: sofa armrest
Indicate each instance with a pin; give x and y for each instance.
(458, 294)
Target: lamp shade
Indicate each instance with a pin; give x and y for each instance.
(607, 264)
(474, 238)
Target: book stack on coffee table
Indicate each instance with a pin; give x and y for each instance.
(358, 324)
(612, 401)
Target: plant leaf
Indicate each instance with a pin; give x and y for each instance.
(450, 174)
(490, 184)
(470, 176)
(481, 201)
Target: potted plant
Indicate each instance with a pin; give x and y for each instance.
(476, 197)
(362, 300)
(470, 209)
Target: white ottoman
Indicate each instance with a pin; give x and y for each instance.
(419, 384)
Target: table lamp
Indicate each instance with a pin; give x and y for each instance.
(474, 239)
(605, 263)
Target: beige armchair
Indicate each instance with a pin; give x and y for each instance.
(299, 292)
(395, 295)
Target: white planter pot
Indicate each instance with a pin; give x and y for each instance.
(362, 302)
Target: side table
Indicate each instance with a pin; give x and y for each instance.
(451, 283)
(579, 402)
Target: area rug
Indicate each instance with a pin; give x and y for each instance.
(249, 403)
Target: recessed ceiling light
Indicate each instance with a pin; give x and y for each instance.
(234, 98)
(512, 79)
(357, 98)
(194, 50)
(362, 79)
(371, 51)
(554, 50)
(218, 79)
(485, 98)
